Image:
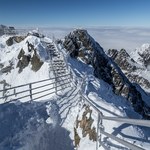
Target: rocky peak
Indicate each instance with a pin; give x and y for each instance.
(142, 55)
(81, 45)
(129, 66)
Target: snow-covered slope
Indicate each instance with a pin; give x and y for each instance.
(12, 72)
(65, 121)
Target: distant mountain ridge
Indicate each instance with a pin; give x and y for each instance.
(7, 30)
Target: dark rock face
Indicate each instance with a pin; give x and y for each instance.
(123, 59)
(13, 39)
(24, 60)
(36, 63)
(80, 42)
(127, 64)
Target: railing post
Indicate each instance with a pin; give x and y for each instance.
(15, 92)
(30, 88)
(55, 84)
(100, 127)
(4, 93)
(98, 122)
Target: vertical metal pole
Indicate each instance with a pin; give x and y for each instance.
(15, 92)
(4, 89)
(30, 88)
(98, 123)
(55, 84)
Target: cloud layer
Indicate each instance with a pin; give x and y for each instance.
(109, 37)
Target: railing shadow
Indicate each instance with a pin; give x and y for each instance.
(24, 124)
(118, 131)
(71, 101)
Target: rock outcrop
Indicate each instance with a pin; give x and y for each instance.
(16, 39)
(32, 57)
(129, 66)
(144, 55)
(80, 44)
(86, 125)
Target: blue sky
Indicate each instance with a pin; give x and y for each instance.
(75, 13)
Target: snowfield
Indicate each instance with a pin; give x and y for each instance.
(50, 122)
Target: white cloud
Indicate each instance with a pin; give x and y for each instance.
(109, 37)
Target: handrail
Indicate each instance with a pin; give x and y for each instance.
(123, 142)
(31, 89)
(34, 82)
(138, 122)
(101, 117)
(100, 129)
(14, 94)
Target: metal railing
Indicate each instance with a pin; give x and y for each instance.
(101, 117)
(34, 90)
(101, 128)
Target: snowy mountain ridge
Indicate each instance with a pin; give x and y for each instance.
(81, 45)
(141, 55)
(56, 122)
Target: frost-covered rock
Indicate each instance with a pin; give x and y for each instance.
(80, 44)
(130, 67)
(142, 55)
(15, 39)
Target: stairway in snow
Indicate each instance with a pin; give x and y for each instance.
(57, 66)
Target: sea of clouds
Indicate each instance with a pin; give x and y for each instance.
(128, 38)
